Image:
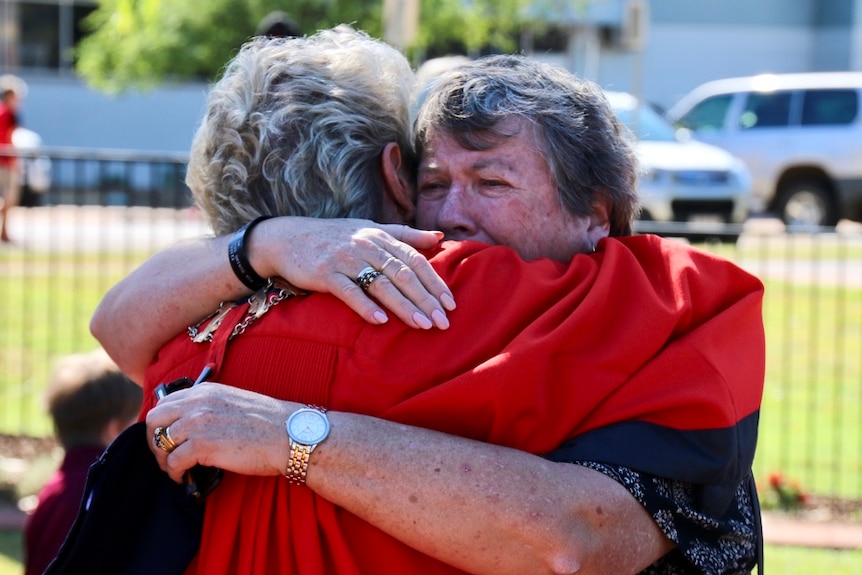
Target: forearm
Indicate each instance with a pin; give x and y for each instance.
(179, 286)
(480, 507)
(161, 298)
(483, 508)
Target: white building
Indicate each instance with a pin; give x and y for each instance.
(684, 43)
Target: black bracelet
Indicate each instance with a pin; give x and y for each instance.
(238, 258)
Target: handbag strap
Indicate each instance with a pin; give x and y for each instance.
(240, 316)
(220, 339)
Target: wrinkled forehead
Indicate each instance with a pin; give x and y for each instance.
(488, 138)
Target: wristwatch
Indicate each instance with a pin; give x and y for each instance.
(306, 428)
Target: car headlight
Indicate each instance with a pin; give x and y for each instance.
(740, 174)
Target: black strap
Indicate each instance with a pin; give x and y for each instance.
(239, 262)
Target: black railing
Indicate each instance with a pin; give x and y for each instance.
(67, 176)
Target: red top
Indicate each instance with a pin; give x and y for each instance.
(59, 501)
(645, 330)
(8, 124)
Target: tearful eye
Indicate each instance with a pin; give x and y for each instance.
(432, 190)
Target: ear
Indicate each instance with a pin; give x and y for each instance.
(398, 206)
(600, 225)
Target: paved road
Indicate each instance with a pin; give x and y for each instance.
(94, 228)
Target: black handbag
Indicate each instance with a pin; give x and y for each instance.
(133, 519)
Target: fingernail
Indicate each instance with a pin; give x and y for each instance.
(440, 319)
(422, 320)
(448, 302)
(440, 235)
(380, 317)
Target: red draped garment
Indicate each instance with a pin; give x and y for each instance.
(645, 332)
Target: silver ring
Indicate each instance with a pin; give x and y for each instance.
(366, 277)
(388, 261)
(162, 439)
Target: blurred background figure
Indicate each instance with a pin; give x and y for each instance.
(90, 402)
(277, 24)
(12, 91)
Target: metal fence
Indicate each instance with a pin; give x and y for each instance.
(105, 213)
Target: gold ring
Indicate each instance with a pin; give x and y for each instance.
(388, 261)
(162, 439)
(366, 277)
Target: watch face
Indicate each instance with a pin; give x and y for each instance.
(307, 426)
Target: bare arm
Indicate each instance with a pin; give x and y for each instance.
(184, 283)
(480, 507)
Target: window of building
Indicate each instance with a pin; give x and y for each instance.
(46, 32)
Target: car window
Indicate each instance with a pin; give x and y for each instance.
(647, 125)
(829, 107)
(765, 110)
(707, 115)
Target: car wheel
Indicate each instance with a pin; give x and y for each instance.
(807, 203)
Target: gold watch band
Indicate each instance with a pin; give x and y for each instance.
(297, 465)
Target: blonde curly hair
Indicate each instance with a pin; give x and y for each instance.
(296, 126)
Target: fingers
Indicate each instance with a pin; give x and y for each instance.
(330, 255)
(222, 426)
(397, 287)
(401, 289)
(420, 239)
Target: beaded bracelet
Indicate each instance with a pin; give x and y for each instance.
(238, 257)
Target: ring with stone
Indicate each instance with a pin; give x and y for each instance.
(162, 439)
(366, 277)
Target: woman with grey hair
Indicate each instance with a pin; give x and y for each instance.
(585, 145)
(290, 119)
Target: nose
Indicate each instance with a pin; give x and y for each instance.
(456, 215)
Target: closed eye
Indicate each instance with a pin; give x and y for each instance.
(432, 190)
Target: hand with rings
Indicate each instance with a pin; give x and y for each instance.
(366, 277)
(350, 254)
(163, 440)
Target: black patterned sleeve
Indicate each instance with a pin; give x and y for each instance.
(725, 545)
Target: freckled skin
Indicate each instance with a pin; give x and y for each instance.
(504, 195)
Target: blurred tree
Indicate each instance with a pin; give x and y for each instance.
(141, 43)
(469, 27)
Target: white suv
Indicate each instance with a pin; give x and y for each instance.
(682, 180)
(799, 134)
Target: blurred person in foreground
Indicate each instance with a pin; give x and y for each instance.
(612, 353)
(90, 402)
(12, 90)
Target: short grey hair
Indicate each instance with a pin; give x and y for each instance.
(297, 127)
(589, 151)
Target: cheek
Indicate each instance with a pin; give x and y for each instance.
(426, 214)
